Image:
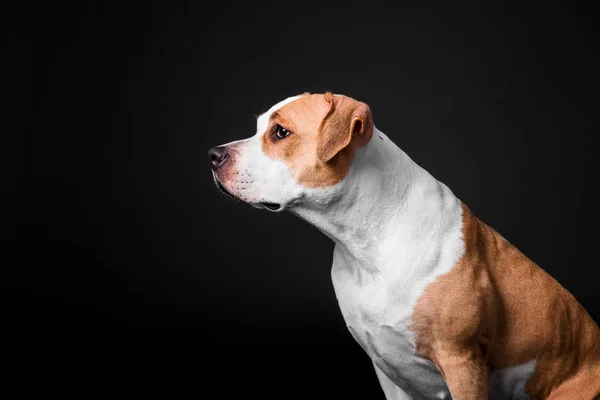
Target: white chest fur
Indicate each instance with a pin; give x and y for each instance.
(379, 323)
(377, 294)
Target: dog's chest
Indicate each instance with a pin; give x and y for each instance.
(381, 327)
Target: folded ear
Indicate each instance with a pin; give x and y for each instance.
(347, 121)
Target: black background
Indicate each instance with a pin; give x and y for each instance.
(132, 274)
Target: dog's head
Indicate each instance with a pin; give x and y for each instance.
(301, 143)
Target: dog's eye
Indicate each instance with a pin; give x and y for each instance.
(281, 132)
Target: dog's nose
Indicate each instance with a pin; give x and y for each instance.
(217, 156)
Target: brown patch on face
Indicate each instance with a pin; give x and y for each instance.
(497, 307)
(326, 131)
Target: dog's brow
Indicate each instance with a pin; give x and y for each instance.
(273, 115)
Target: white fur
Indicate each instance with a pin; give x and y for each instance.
(396, 229)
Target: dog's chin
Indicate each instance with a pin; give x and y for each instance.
(273, 207)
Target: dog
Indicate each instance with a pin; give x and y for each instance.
(445, 307)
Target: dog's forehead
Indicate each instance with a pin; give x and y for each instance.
(263, 121)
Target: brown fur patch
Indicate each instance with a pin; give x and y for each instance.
(497, 307)
(306, 118)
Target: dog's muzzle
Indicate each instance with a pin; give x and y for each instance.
(218, 158)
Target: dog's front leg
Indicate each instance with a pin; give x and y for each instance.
(464, 370)
(390, 389)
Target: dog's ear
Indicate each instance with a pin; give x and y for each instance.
(347, 121)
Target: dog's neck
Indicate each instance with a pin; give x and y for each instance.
(385, 197)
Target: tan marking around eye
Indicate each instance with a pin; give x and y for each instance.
(303, 118)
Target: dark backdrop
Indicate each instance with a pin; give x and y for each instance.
(131, 272)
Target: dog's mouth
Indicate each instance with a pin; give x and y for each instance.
(271, 206)
(268, 206)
